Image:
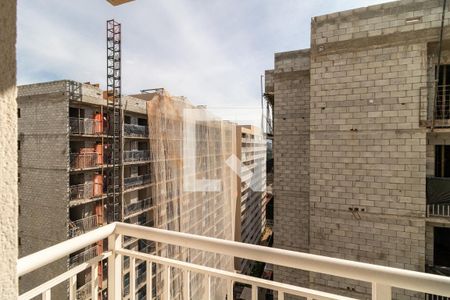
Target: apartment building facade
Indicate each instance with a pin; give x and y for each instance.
(66, 185)
(361, 143)
(251, 216)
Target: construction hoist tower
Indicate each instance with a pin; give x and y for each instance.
(114, 108)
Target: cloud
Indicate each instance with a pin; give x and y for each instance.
(212, 52)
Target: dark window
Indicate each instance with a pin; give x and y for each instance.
(442, 161)
(142, 122)
(18, 145)
(75, 112)
(442, 246)
(18, 112)
(442, 110)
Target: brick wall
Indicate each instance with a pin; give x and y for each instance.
(8, 150)
(291, 157)
(43, 170)
(361, 180)
(368, 152)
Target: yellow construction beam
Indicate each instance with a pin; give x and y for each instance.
(118, 2)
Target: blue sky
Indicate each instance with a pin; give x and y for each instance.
(211, 51)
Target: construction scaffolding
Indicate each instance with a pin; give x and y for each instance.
(194, 190)
(114, 107)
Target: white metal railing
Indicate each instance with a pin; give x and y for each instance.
(438, 210)
(382, 278)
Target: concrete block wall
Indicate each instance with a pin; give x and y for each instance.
(51, 87)
(367, 149)
(394, 18)
(368, 153)
(8, 150)
(291, 157)
(44, 177)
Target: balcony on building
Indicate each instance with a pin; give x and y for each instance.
(86, 127)
(136, 181)
(435, 101)
(86, 155)
(438, 197)
(135, 130)
(153, 274)
(83, 225)
(136, 156)
(86, 187)
(137, 206)
(83, 255)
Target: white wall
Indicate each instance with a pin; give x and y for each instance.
(8, 151)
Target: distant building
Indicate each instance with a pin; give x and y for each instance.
(251, 151)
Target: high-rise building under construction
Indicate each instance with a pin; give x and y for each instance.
(173, 175)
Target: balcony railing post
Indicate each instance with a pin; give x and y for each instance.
(187, 284)
(208, 287)
(73, 287)
(115, 267)
(381, 291)
(254, 292)
(132, 278)
(47, 295)
(149, 280)
(94, 281)
(230, 290)
(166, 295)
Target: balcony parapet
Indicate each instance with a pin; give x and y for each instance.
(135, 181)
(84, 225)
(84, 160)
(136, 155)
(85, 126)
(134, 130)
(83, 256)
(434, 111)
(138, 206)
(86, 190)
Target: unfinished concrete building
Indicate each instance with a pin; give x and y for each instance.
(362, 143)
(251, 217)
(66, 181)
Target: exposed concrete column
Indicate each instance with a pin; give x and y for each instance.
(8, 150)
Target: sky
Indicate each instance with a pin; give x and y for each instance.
(211, 51)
